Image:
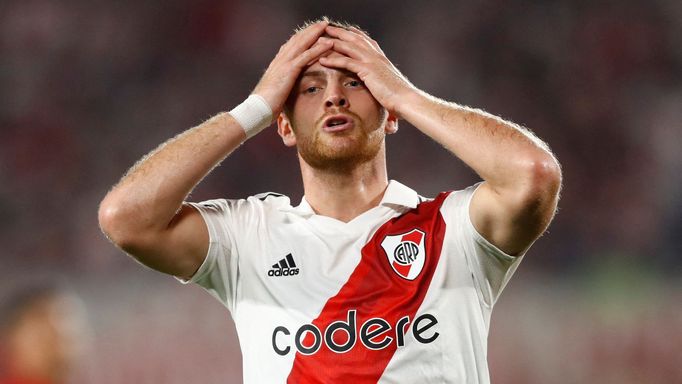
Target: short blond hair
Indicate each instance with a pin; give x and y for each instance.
(334, 23)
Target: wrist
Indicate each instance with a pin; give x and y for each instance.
(407, 101)
(253, 115)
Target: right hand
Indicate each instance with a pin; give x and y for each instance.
(300, 50)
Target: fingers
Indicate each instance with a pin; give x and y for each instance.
(369, 39)
(348, 49)
(305, 38)
(313, 53)
(343, 62)
(358, 37)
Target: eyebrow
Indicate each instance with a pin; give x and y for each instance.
(322, 73)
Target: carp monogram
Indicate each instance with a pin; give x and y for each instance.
(406, 253)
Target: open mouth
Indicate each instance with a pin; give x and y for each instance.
(337, 123)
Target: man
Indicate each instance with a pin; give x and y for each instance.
(43, 334)
(364, 281)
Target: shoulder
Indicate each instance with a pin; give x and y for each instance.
(452, 205)
(271, 198)
(460, 197)
(261, 202)
(451, 199)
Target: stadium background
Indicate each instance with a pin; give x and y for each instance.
(88, 87)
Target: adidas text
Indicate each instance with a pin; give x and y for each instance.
(283, 272)
(285, 267)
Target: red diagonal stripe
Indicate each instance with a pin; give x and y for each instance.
(415, 237)
(374, 290)
(402, 269)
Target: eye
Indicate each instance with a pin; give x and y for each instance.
(354, 83)
(311, 89)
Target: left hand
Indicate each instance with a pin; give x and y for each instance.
(363, 56)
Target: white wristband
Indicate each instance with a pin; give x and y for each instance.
(253, 114)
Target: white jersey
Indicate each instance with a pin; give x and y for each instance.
(400, 294)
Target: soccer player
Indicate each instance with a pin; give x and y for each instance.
(364, 281)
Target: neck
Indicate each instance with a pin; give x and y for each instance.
(343, 194)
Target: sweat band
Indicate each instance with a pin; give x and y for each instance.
(253, 114)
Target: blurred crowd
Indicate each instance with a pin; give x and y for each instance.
(89, 87)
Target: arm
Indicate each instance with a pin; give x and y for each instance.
(144, 213)
(517, 201)
(521, 177)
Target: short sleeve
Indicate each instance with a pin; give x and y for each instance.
(218, 274)
(490, 267)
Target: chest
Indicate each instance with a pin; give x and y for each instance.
(387, 261)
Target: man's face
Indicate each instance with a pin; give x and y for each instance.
(334, 119)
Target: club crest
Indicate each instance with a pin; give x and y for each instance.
(406, 253)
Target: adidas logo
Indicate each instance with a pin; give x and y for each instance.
(285, 267)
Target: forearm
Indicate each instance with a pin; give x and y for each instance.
(502, 153)
(152, 191)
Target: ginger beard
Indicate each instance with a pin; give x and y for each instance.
(340, 150)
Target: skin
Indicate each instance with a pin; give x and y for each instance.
(344, 174)
(322, 92)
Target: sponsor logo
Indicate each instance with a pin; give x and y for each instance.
(406, 253)
(285, 267)
(375, 333)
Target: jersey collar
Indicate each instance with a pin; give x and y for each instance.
(396, 194)
(401, 195)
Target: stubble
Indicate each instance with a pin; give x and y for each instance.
(342, 151)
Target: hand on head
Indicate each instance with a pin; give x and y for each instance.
(302, 48)
(359, 53)
(356, 52)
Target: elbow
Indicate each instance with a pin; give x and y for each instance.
(111, 222)
(117, 224)
(546, 175)
(542, 180)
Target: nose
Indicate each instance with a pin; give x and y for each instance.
(335, 97)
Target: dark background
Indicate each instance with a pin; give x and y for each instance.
(89, 87)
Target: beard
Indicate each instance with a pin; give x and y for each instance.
(342, 151)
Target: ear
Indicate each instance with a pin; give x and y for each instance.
(285, 130)
(391, 124)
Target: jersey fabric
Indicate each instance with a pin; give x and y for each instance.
(402, 293)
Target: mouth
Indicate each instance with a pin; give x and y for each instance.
(337, 123)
